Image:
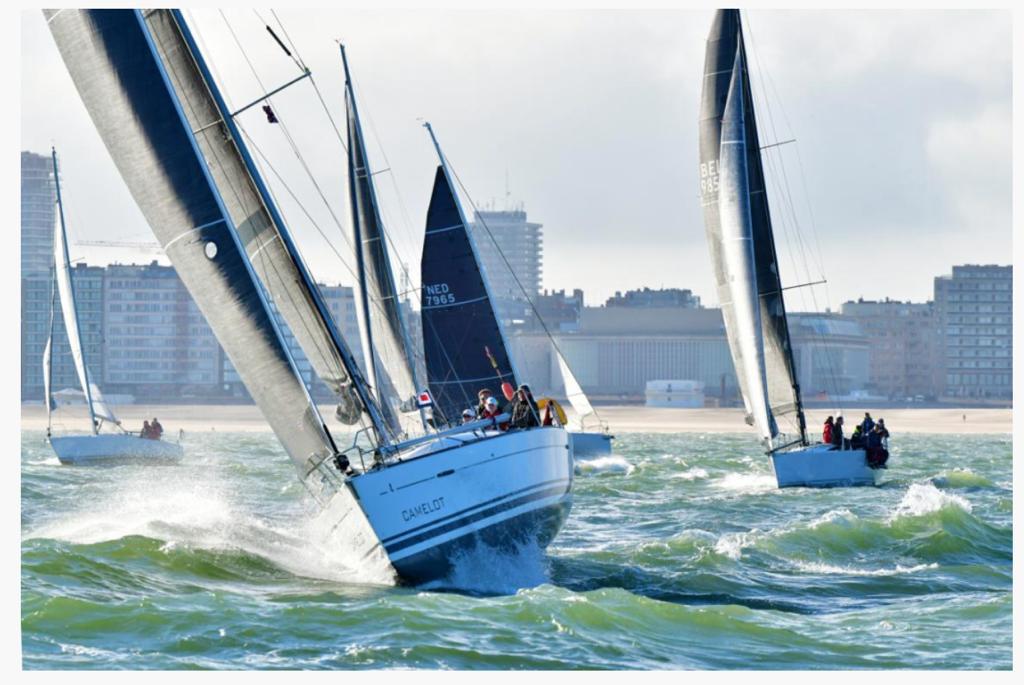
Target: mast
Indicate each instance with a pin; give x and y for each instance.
(726, 82)
(62, 273)
(376, 279)
(472, 242)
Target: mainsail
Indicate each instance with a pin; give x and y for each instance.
(47, 365)
(735, 204)
(65, 287)
(386, 345)
(462, 338)
(128, 91)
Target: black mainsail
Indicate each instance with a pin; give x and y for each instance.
(144, 87)
(735, 204)
(463, 342)
(390, 367)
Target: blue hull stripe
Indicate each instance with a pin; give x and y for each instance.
(466, 520)
(557, 481)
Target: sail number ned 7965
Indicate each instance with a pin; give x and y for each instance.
(437, 294)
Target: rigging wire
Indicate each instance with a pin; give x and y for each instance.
(781, 182)
(508, 265)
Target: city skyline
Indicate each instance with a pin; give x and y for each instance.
(622, 98)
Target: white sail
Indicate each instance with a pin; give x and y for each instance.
(62, 273)
(99, 406)
(738, 253)
(573, 392)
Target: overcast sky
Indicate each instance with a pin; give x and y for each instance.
(902, 165)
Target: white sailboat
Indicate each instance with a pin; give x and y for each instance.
(94, 446)
(585, 443)
(414, 504)
(738, 223)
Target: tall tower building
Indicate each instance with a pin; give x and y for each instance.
(521, 243)
(38, 207)
(975, 310)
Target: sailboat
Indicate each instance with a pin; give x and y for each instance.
(465, 346)
(95, 446)
(414, 504)
(739, 230)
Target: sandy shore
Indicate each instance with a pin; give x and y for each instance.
(623, 419)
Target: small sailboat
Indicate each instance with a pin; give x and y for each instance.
(414, 504)
(739, 230)
(585, 443)
(95, 446)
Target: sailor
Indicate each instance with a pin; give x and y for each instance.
(156, 428)
(857, 440)
(490, 408)
(881, 427)
(482, 396)
(837, 434)
(468, 416)
(876, 452)
(867, 424)
(146, 431)
(525, 413)
(826, 433)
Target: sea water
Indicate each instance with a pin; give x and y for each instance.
(679, 553)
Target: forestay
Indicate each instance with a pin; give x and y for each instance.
(386, 345)
(462, 338)
(771, 390)
(128, 94)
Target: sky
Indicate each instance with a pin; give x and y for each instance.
(901, 165)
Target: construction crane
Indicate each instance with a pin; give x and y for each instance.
(142, 246)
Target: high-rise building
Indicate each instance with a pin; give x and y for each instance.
(158, 344)
(37, 294)
(38, 214)
(506, 239)
(903, 345)
(830, 352)
(974, 306)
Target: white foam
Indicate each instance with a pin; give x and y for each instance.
(831, 517)
(609, 464)
(489, 570)
(817, 567)
(747, 483)
(691, 474)
(732, 544)
(925, 498)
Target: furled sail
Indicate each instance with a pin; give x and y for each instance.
(66, 289)
(760, 343)
(573, 392)
(47, 362)
(127, 90)
(252, 212)
(462, 339)
(386, 345)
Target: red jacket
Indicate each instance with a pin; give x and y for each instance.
(826, 436)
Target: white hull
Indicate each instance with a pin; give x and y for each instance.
(88, 449)
(590, 444)
(446, 496)
(822, 467)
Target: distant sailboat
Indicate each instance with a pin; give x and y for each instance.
(413, 504)
(738, 223)
(97, 446)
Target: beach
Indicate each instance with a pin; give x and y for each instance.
(622, 418)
